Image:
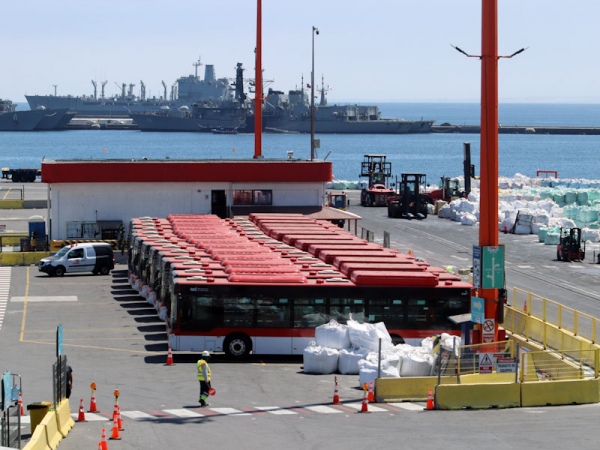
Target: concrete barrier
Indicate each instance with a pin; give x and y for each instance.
(11, 204)
(569, 392)
(49, 423)
(478, 396)
(37, 440)
(21, 258)
(407, 389)
(64, 421)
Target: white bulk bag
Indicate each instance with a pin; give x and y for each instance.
(367, 335)
(320, 360)
(332, 335)
(416, 365)
(348, 360)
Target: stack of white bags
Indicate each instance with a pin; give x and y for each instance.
(352, 349)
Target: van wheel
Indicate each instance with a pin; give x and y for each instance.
(104, 270)
(59, 271)
(94, 272)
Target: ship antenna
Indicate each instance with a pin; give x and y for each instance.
(323, 101)
(196, 65)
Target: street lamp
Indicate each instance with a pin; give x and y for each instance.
(315, 30)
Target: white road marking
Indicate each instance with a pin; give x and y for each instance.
(358, 407)
(408, 406)
(323, 409)
(183, 413)
(230, 412)
(275, 410)
(5, 273)
(48, 298)
(137, 415)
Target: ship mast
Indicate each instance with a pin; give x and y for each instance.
(323, 101)
(196, 65)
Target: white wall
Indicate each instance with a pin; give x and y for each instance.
(89, 202)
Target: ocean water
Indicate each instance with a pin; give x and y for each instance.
(433, 154)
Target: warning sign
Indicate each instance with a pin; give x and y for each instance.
(506, 365)
(486, 363)
(487, 330)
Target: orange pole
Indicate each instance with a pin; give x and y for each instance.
(488, 229)
(259, 84)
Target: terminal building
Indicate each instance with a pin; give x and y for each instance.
(92, 199)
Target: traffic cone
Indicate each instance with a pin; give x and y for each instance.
(119, 419)
(81, 416)
(103, 444)
(115, 429)
(336, 394)
(93, 405)
(430, 405)
(525, 306)
(20, 403)
(365, 401)
(371, 392)
(169, 358)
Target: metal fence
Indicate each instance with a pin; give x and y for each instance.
(12, 193)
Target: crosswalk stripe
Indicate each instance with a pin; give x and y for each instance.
(408, 406)
(275, 410)
(89, 417)
(323, 409)
(137, 415)
(358, 406)
(230, 412)
(183, 413)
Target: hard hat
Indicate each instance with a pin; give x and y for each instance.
(206, 354)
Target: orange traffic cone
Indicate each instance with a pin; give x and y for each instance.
(169, 358)
(525, 306)
(371, 392)
(119, 419)
(115, 429)
(430, 404)
(336, 394)
(365, 401)
(20, 404)
(103, 444)
(93, 405)
(81, 416)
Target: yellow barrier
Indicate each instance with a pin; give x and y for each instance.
(49, 423)
(64, 421)
(478, 396)
(560, 392)
(13, 239)
(37, 440)
(21, 258)
(407, 388)
(11, 204)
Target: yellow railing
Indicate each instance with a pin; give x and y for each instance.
(561, 317)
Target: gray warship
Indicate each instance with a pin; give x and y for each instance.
(38, 120)
(290, 113)
(186, 91)
(227, 114)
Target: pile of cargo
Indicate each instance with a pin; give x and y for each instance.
(538, 206)
(353, 349)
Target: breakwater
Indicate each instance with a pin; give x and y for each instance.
(517, 129)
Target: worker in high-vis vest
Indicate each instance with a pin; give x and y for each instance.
(204, 377)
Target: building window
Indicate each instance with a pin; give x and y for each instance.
(253, 197)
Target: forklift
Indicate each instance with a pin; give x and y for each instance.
(377, 170)
(569, 245)
(409, 203)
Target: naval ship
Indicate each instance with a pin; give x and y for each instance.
(38, 120)
(184, 92)
(290, 113)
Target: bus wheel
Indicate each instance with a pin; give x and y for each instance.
(238, 345)
(397, 339)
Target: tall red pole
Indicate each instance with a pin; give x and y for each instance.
(258, 96)
(488, 220)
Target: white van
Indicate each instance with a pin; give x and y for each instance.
(96, 257)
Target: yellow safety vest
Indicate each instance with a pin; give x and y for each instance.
(201, 364)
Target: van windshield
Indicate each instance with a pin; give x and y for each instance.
(62, 252)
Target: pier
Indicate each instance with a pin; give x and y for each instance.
(516, 129)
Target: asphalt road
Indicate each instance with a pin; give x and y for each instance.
(112, 337)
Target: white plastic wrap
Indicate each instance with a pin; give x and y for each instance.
(367, 335)
(320, 360)
(348, 360)
(417, 365)
(332, 335)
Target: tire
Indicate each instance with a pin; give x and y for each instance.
(59, 271)
(16, 178)
(369, 201)
(558, 257)
(104, 270)
(397, 339)
(238, 346)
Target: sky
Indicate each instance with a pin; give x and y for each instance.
(378, 50)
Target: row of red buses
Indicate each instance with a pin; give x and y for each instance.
(262, 284)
